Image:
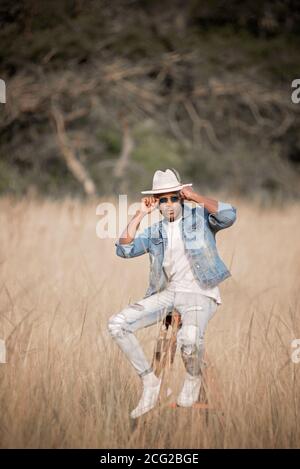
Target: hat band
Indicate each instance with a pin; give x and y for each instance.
(163, 188)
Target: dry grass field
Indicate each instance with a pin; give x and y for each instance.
(66, 384)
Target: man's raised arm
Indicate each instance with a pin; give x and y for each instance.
(220, 214)
(128, 245)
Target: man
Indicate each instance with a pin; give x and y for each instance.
(185, 272)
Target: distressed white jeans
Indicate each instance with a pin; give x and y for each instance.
(195, 310)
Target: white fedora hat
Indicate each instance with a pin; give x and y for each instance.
(166, 181)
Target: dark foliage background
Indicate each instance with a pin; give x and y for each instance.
(102, 93)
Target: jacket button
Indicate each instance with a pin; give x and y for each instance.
(197, 265)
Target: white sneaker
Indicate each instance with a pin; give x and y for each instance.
(148, 400)
(190, 391)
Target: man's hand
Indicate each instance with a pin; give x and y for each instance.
(148, 204)
(210, 204)
(187, 193)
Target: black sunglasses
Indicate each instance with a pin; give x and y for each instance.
(173, 198)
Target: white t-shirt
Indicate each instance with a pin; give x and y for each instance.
(177, 266)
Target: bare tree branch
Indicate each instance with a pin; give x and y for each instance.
(76, 168)
(127, 147)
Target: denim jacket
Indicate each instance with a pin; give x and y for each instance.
(198, 228)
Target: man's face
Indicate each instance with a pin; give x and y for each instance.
(170, 205)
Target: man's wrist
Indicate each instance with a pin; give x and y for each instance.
(197, 198)
(140, 213)
(210, 204)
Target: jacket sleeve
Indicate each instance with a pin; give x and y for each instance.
(223, 218)
(137, 247)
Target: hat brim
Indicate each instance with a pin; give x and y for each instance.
(170, 189)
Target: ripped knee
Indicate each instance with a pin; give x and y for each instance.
(189, 335)
(117, 325)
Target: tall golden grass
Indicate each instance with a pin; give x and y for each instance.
(66, 384)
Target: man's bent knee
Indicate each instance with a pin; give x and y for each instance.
(188, 335)
(117, 325)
